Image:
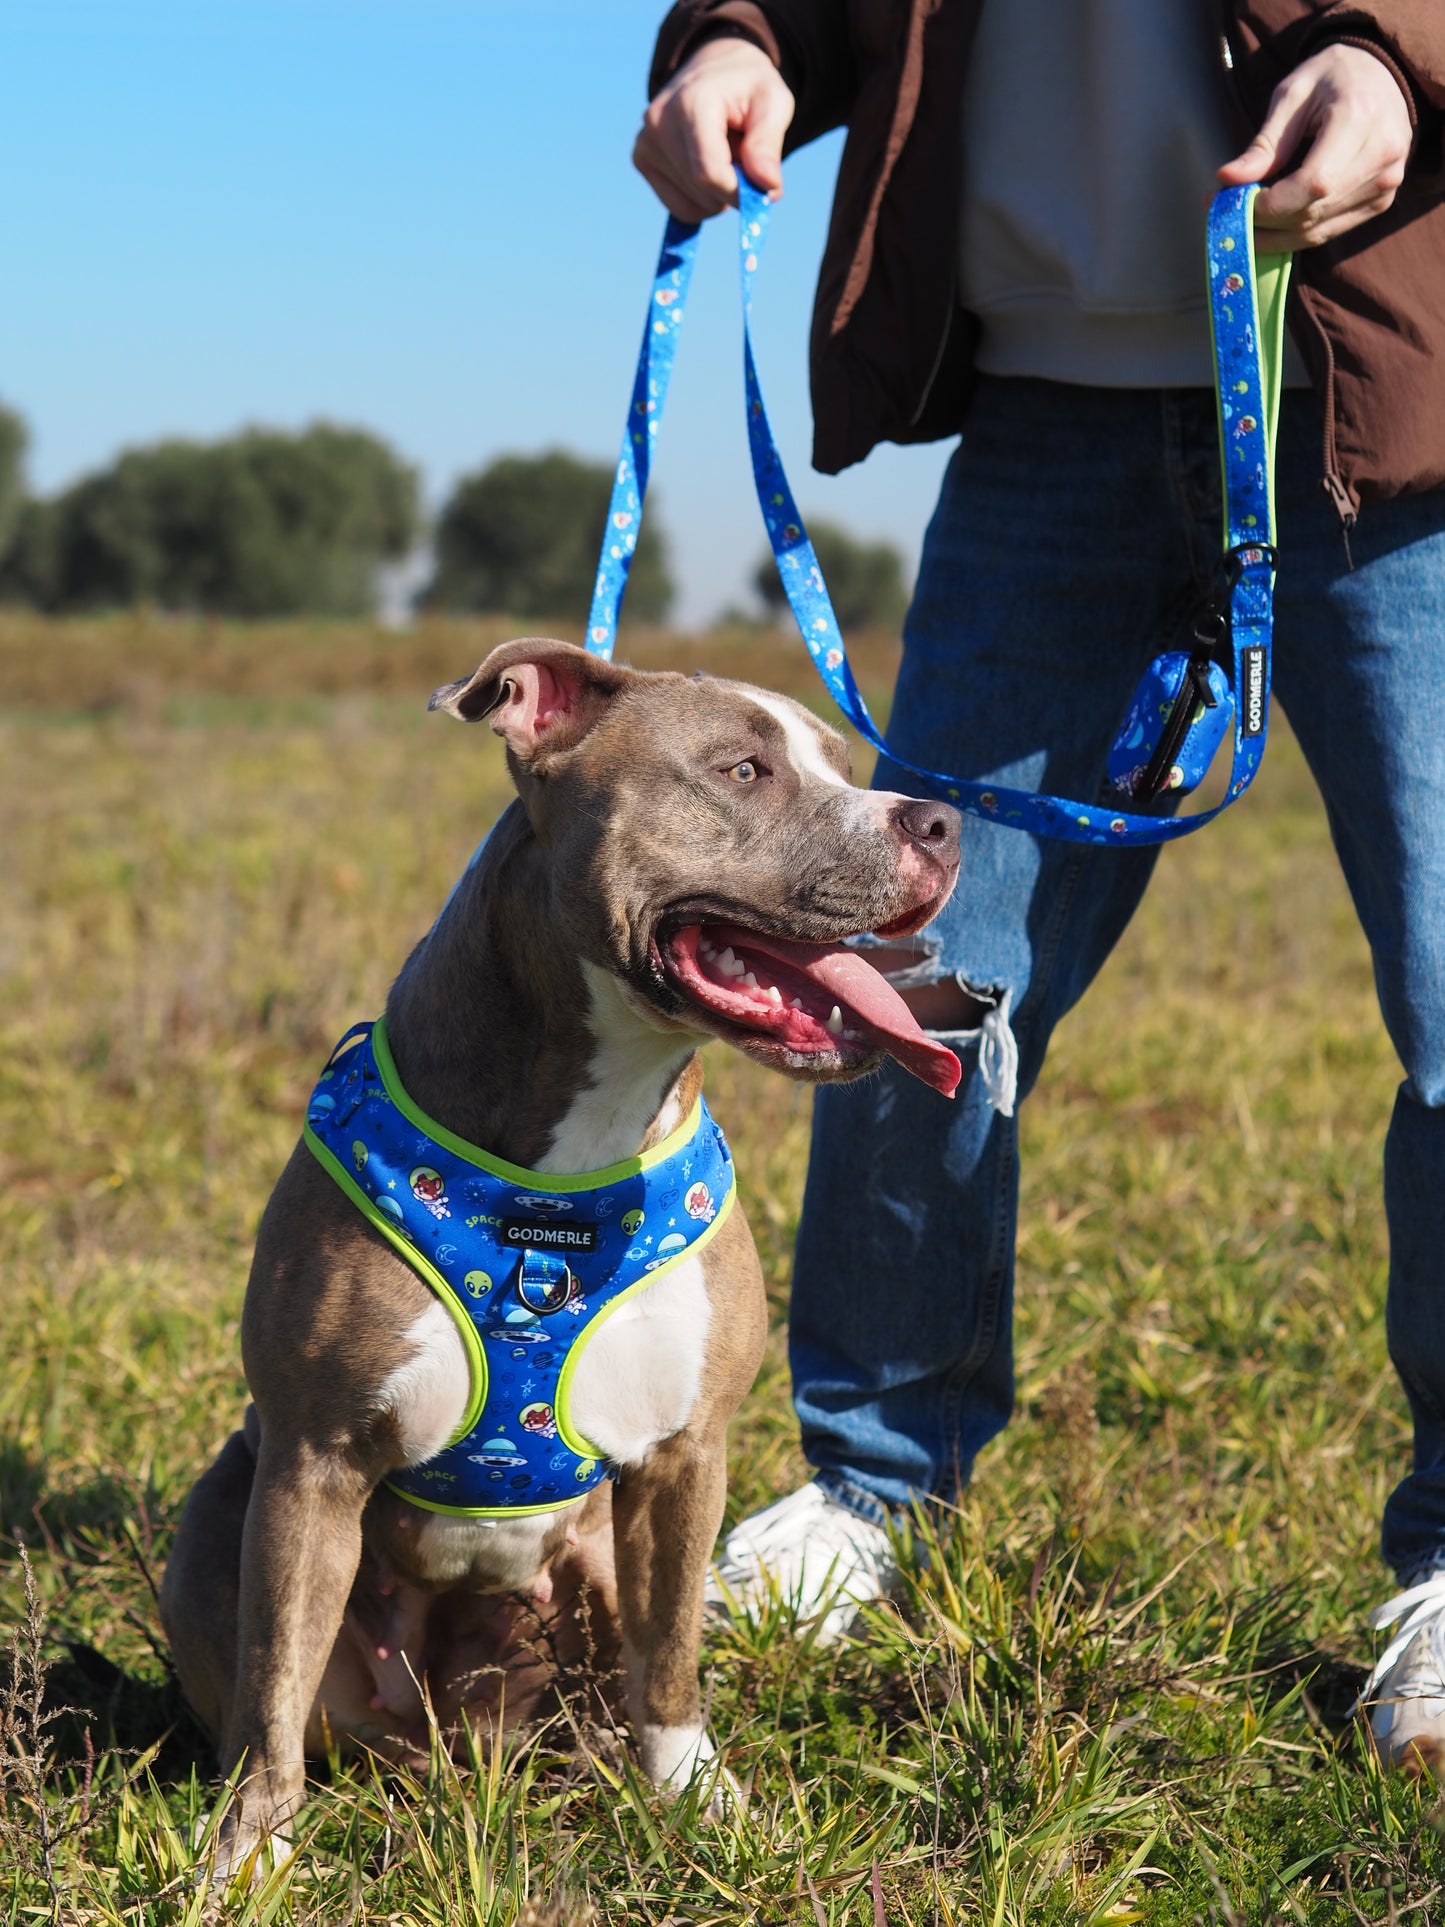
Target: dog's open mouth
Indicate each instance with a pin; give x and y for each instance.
(811, 1000)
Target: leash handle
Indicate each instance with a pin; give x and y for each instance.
(1247, 344)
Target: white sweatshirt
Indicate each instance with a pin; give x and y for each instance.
(1092, 130)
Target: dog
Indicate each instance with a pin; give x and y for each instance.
(683, 860)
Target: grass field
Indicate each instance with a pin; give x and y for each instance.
(1119, 1689)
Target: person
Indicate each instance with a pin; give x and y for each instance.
(1016, 252)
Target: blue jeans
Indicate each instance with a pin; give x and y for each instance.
(1075, 532)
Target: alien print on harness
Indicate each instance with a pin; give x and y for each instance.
(527, 1266)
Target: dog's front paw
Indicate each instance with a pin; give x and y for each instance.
(675, 1758)
(238, 1853)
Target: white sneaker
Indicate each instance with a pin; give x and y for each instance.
(810, 1554)
(1405, 1695)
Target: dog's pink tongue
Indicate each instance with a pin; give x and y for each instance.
(850, 980)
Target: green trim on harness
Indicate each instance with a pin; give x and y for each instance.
(529, 1266)
(518, 1174)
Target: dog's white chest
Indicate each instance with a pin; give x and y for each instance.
(635, 1380)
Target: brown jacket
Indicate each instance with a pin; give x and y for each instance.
(892, 351)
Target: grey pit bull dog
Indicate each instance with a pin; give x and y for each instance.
(668, 830)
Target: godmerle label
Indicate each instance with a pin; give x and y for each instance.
(549, 1237)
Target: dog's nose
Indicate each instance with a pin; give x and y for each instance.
(934, 827)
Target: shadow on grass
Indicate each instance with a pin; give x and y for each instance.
(96, 1541)
(99, 1508)
(103, 1708)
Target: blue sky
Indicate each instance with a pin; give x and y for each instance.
(415, 215)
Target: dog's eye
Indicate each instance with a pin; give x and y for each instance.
(745, 772)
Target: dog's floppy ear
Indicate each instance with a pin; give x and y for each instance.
(541, 695)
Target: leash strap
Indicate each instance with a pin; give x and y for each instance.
(1246, 305)
(644, 418)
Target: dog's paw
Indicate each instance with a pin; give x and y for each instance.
(232, 1854)
(675, 1758)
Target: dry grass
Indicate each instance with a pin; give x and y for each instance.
(1119, 1692)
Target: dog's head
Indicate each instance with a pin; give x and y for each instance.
(714, 854)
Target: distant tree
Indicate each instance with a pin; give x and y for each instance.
(865, 579)
(262, 524)
(523, 536)
(28, 571)
(13, 442)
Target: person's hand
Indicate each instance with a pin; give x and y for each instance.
(727, 103)
(1340, 125)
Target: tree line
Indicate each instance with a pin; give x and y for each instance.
(270, 523)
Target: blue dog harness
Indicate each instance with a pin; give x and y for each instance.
(1186, 702)
(528, 1264)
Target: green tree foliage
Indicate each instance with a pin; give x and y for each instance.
(865, 579)
(262, 524)
(13, 442)
(523, 535)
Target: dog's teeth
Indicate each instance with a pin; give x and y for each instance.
(750, 982)
(797, 1004)
(835, 1020)
(775, 996)
(852, 1036)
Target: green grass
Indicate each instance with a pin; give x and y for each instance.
(1117, 1691)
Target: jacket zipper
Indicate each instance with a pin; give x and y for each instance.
(1331, 481)
(939, 352)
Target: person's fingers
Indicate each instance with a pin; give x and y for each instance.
(727, 99)
(689, 149)
(1314, 232)
(1335, 172)
(760, 150)
(673, 197)
(1345, 178)
(702, 141)
(1337, 138)
(1287, 123)
(666, 151)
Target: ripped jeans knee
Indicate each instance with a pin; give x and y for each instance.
(957, 1012)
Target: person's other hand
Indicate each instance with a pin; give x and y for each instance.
(726, 104)
(1339, 123)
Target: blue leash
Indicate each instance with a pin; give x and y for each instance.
(1247, 315)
